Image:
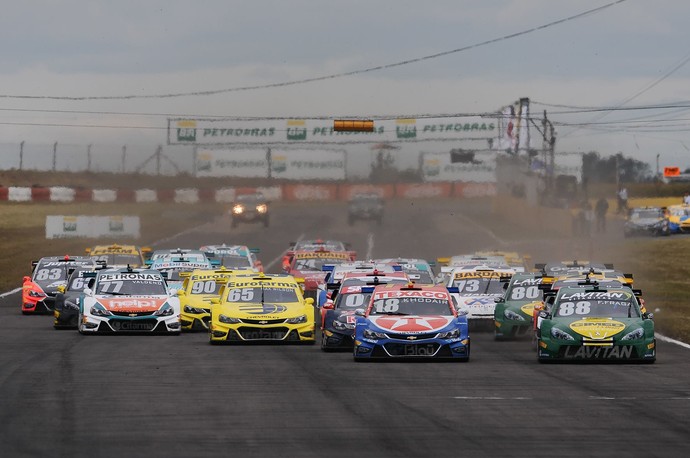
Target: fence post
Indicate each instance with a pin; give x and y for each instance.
(54, 155)
(124, 155)
(88, 158)
(21, 155)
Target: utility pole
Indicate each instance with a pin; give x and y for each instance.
(21, 155)
(124, 157)
(54, 155)
(88, 158)
(268, 161)
(657, 166)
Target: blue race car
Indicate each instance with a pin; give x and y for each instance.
(411, 322)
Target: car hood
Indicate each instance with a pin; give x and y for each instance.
(411, 324)
(259, 311)
(132, 303)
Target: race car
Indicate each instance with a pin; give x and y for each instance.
(410, 322)
(249, 208)
(596, 324)
(128, 301)
(647, 221)
(261, 307)
(315, 245)
(337, 313)
(365, 206)
(558, 269)
(476, 291)
(66, 311)
(513, 259)
(174, 262)
(514, 311)
(49, 273)
(199, 287)
(115, 255)
(234, 256)
(678, 218)
(309, 266)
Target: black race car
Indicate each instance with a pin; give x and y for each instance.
(367, 206)
(647, 221)
(67, 299)
(249, 208)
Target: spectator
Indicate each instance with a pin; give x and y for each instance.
(600, 209)
(686, 198)
(622, 201)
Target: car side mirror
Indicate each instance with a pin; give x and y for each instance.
(88, 291)
(26, 278)
(648, 316)
(309, 301)
(544, 314)
(498, 300)
(328, 305)
(359, 312)
(215, 301)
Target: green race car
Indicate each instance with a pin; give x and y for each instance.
(595, 323)
(513, 316)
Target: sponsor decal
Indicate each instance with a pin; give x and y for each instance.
(597, 328)
(262, 309)
(411, 324)
(597, 295)
(477, 274)
(258, 283)
(296, 129)
(322, 255)
(69, 224)
(406, 128)
(528, 309)
(131, 304)
(186, 131)
(423, 294)
(528, 282)
(131, 276)
(615, 352)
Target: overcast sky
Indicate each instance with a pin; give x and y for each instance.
(628, 55)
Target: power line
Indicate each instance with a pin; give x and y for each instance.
(325, 77)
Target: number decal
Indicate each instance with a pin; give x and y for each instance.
(244, 295)
(354, 300)
(204, 287)
(111, 286)
(48, 274)
(520, 292)
(78, 283)
(579, 308)
(387, 305)
(468, 286)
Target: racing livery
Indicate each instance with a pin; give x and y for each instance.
(476, 292)
(128, 301)
(595, 324)
(647, 221)
(49, 273)
(407, 321)
(199, 287)
(309, 266)
(262, 307)
(174, 264)
(119, 255)
(66, 311)
(514, 312)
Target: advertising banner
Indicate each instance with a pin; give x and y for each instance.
(60, 226)
(438, 167)
(215, 131)
(308, 164)
(248, 163)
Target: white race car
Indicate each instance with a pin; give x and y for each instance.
(127, 301)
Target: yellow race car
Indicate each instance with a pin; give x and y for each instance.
(119, 255)
(199, 287)
(262, 307)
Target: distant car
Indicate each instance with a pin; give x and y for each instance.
(367, 206)
(234, 256)
(596, 324)
(116, 255)
(514, 311)
(679, 218)
(407, 321)
(49, 273)
(128, 301)
(67, 299)
(647, 221)
(249, 208)
(262, 307)
(198, 289)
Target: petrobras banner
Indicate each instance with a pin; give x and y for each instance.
(248, 163)
(438, 167)
(226, 131)
(308, 164)
(59, 226)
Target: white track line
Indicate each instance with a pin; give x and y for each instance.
(663, 338)
(10, 292)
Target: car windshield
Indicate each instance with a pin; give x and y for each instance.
(267, 294)
(134, 284)
(250, 199)
(614, 304)
(419, 276)
(207, 286)
(352, 300)
(77, 282)
(359, 281)
(315, 264)
(234, 262)
(409, 303)
(331, 245)
(53, 270)
(118, 259)
(646, 214)
(481, 285)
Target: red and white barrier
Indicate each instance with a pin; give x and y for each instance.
(288, 192)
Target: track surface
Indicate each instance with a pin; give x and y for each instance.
(67, 395)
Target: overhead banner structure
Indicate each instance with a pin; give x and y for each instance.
(438, 167)
(60, 227)
(288, 164)
(202, 131)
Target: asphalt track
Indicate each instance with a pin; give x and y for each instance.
(67, 395)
